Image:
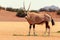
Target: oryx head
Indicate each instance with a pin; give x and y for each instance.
(24, 11)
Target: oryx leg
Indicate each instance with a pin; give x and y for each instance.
(47, 28)
(30, 28)
(45, 31)
(34, 29)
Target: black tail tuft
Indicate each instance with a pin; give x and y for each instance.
(52, 21)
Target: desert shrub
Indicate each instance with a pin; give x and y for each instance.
(42, 9)
(58, 31)
(20, 13)
(48, 10)
(2, 8)
(15, 10)
(58, 12)
(51, 10)
(8, 9)
(11, 9)
(34, 11)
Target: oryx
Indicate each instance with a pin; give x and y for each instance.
(37, 18)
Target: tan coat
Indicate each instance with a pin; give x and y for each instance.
(37, 18)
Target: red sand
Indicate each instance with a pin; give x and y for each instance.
(11, 16)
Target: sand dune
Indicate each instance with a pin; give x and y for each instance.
(11, 16)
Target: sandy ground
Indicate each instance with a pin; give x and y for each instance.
(8, 29)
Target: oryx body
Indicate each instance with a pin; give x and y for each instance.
(37, 18)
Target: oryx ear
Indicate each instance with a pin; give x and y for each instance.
(29, 7)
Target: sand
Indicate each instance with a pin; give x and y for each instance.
(8, 29)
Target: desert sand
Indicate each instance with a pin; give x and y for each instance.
(8, 29)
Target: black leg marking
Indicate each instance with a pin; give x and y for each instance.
(34, 26)
(34, 29)
(30, 28)
(48, 27)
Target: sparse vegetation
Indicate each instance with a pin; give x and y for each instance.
(11, 9)
(58, 31)
(42, 9)
(34, 11)
(51, 10)
(20, 13)
(2, 8)
(58, 12)
(23, 35)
